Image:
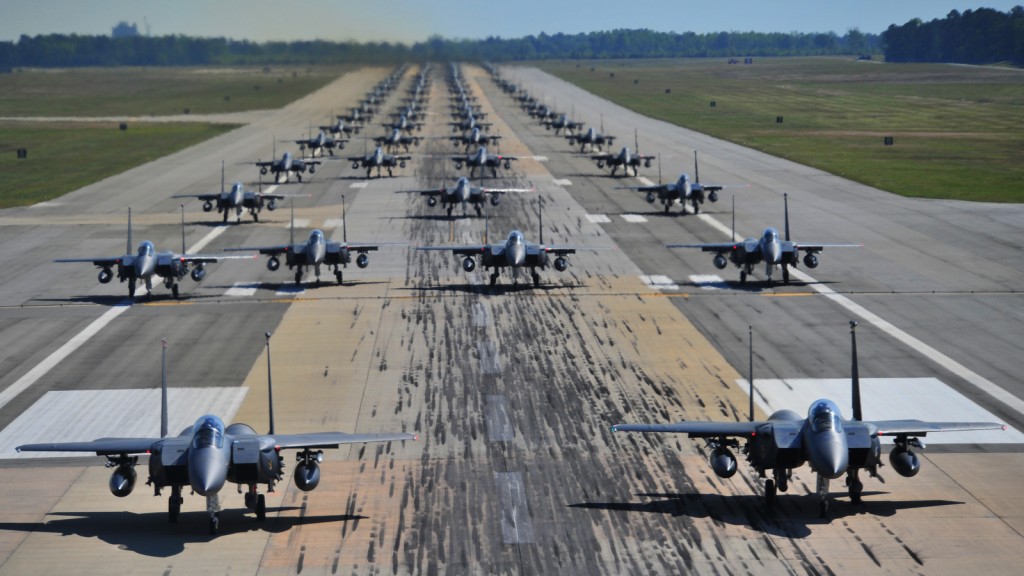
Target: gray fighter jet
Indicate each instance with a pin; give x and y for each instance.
(397, 138)
(339, 128)
(768, 248)
(319, 143)
(515, 253)
(379, 160)
(286, 166)
(482, 159)
(562, 122)
(682, 190)
(830, 444)
(208, 454)
(474, 137)
(146, 263)
(238, 199)
(314, 253)
(464, 193)
(591, 138)
(625, 159)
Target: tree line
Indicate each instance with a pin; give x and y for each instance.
(71, 50)
(982, 36)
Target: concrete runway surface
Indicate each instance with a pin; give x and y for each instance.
(513, 389)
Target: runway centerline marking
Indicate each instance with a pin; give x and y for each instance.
(599, 219)
(634, 218)
(984, 384)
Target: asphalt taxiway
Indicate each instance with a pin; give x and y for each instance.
(512, 390)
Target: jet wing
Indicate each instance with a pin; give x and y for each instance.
(921, 428)
(101, 446)
(715, 247)
(460, 250)
(209, 258)
(208, 197)
(106, 262)
(818, 247)
(655, 188)
(334, 439)
(506, 190)
(563, 249)
(269, 250)
(696, 429)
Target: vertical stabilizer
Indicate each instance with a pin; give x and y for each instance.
(163, 389)
(344, 226)
(750, 374)
(733, 217)
(487, 222)
(696, 168)
(291, 233)
(855, 376)
(270, 387)
(128, 245)
(540, 216)
(785, 207)
(221, 176)
(183, 228)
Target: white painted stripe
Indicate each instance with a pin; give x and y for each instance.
(333, 223)
(708, 281)
(634, 218)
(270, 189)
(986, 385)
(928, 399)
(299, 223)
(41, 369)
(361, 184)
(563, 182)
(645, 180)
(207, 239)
(82, 415)
(242, 289)
(598, 219)
(659, 282)
(541, 158)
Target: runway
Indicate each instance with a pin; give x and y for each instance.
(513, 390)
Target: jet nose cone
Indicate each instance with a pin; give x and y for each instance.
(834, 465)
(206, 477)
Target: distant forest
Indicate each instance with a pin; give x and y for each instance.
(980, 36)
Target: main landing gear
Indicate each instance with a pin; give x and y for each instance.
(174, 504)
(256, 502)
(536, 279)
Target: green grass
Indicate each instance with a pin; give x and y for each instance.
(957, 130)
(155, 91)
(66, 156)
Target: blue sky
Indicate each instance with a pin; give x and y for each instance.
(414, 20)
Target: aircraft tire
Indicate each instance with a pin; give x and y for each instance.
(339, 277)
(298, 277)
(494, 279)
(261, 507)
(856, 490)
(536, 280)
(225, 216)
(174, 290)
(668, 206)
(743, 277)
(769, 493)
(131, 287)
(255, 216)
(785, 274)
(173, 508)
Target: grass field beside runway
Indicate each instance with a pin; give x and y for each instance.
(66, 156)
(956, 129)
(157, 91)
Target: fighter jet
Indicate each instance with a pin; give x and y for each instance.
(768, 249)
(562, 123)
(467, 124)
(286, 166)
(591, 138)
(474, 137)
(319, 143)
(404, 124)
(516, 253)
(395, 139)
(682, 191)
(625, 159)
(482, 159)
(237, 199)
(314, 253)
(339, 128)
(463, 192)
(378, 159)
(146, 263)
(207, 455)
(830, 444)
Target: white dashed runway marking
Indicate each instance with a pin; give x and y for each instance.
(634, 218)
(362, 184)
(299, 223)
(659, 282)
(563, 182)
(598, 219)
(242, 289)
(708, 281)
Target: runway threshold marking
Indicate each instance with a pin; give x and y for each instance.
(989, 387)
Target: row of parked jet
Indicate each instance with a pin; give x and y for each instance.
(208, 454)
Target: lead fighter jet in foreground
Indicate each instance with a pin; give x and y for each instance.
(207, 455)
(831, 445)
